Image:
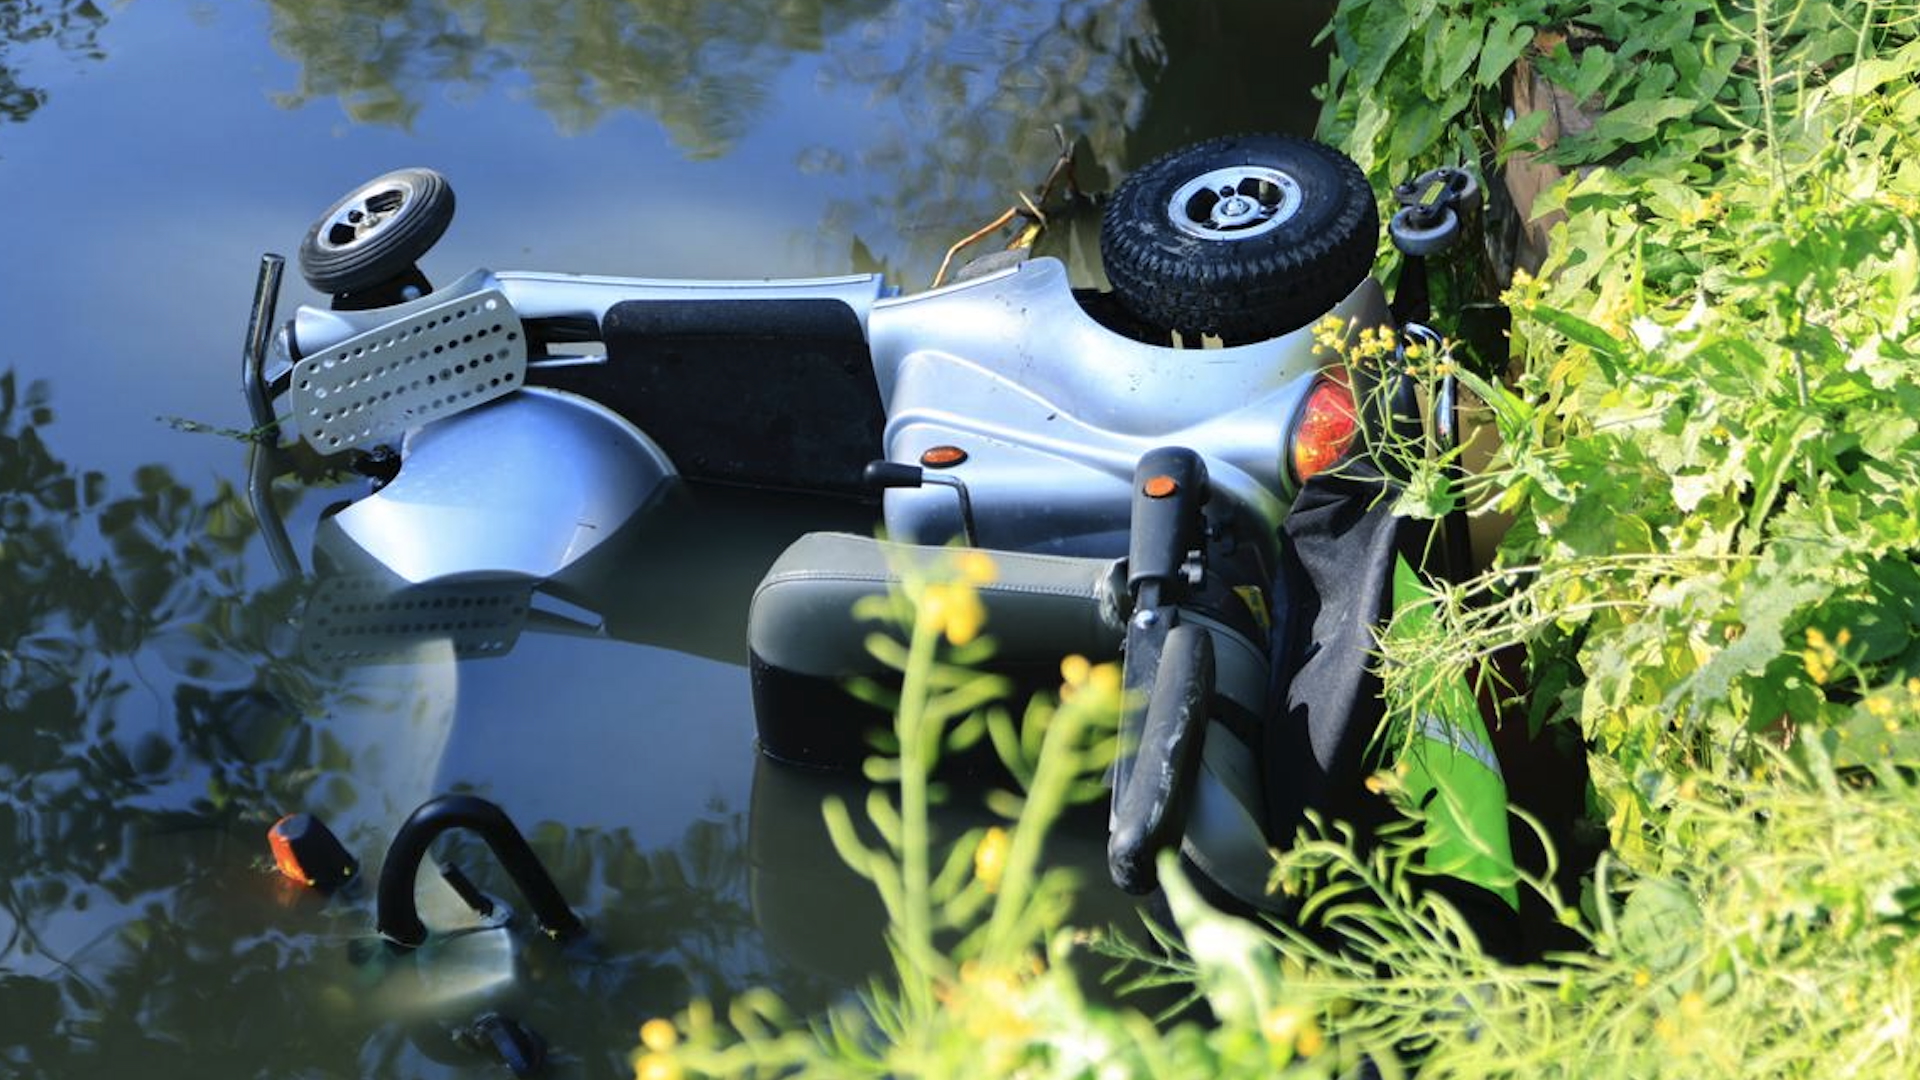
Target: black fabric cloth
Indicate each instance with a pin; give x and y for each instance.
(1336, 572)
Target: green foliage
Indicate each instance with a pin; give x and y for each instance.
(1718, 452)
(1711, 456)
(1421, 82)
(1712, 450)
(1775, 938)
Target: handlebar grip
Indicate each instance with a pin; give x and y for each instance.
(1149, 806)
(891, 474)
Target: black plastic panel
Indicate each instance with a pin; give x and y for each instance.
(767, 393)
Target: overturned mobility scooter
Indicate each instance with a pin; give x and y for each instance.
(1209, 515)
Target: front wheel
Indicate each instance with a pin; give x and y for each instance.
(377, 232)
(1247, 237)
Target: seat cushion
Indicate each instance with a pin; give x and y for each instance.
(1039, 607)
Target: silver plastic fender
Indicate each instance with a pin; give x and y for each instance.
(524, 485)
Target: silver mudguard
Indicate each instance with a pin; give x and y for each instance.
(522, 486)
(1053, 410)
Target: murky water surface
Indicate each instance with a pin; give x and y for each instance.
(160, 699)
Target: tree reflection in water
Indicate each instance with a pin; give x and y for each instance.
(152, 725)
(703, 69)
(71, 25)
(961, 95)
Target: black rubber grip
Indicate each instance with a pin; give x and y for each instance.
(1150, 806)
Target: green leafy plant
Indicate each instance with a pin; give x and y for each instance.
(1709, 445)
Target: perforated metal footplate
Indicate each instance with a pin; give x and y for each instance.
(435, 362)
(358, 620)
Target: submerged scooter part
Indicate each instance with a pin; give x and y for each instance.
(306, 851)
(479, 964)
(399, 918)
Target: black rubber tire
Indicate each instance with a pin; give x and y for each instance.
(410, 209)
(1273, 280)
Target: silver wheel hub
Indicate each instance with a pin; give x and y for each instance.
(1237, 202)
(364, 214)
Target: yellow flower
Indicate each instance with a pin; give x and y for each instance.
(1330, 333)
(1709, 208)
(1077, 673)
(1667, 1029)
(1104, 680)
(978, 567)
(990, 857)
(657, 1066)
(994, 1002)
(955, 609)
(1817, 669)
(1292, 1028)
(1311, 1040)
(659, 1035)
(1819, 656)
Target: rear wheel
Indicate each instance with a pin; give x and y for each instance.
(376, 233)
(1246, 237)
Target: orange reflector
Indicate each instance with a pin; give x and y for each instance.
(1159, 487)
(943, 457)
(1325, 429)
(283, 857)
(306, 851)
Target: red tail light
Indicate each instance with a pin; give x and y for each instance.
(1326, 426)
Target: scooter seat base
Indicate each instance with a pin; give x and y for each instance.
(806, 642)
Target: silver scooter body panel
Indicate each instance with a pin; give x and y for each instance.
(1053, 410)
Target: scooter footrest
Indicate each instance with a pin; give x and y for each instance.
(436, 361)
